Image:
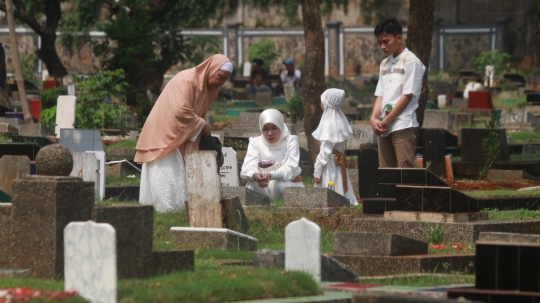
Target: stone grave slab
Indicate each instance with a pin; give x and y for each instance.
(90, 261)
(5, 230)
(369, 266)
(11, 169)
(229, 170)
(313, 197)
(462, 120)
(35, 130)
(167, 261)
(263, 98)
(134, 231)
(435, 217)
(247, 196)
(503, 174)
(518, 116)
(353, 176)
(15, 122)
(14, 273)
(204, 201)
(456, 232)
(81, 140)
(433, 149)
(437, 119)
(249, 118)
(121, 168)
(331, 269)
(434, 199)
(530, 149)
(460, 102)
(133, 135)
(377, 244)
(37, 241)
(303, 247)
(235, 218)
(509, 238)
(19, 149)
(362, 133)
(471, 144)
(212, 238)
(41, 141)
(65, 113)
(6, 128)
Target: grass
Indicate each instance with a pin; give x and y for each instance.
(502, 193)
(4, 139)
(124, 144)
(524, 136)
(123, 180)
(423, 280)
(215, 285)
(512, 215)
(525, 157)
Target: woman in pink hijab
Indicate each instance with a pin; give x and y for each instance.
(173, 130)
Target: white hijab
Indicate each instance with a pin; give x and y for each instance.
(275, 117)
(334, 126)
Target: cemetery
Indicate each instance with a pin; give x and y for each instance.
(461, 225)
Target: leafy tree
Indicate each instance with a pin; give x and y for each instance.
(31, 12)
(500, 61)
(265, 49)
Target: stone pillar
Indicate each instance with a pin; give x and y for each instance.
(234, 42)
(42, 207)
(334, 50)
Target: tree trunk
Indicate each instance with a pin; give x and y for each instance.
(47, 53)
(313, 82)
(419, 35)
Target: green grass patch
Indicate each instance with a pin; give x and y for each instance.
(124, 144)
(525, 157)
(502, 193)
(224, 284)
(123, 180)
(110, 202)
(308, 180)
(423, 280)
(512, 215)
(5, 139)
(219, 285)
(524, 136)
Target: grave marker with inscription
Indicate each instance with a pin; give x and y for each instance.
(229, 169)
(362, 133)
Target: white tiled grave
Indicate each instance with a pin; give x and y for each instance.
(65, 113)
(90, 261)
(303, 247)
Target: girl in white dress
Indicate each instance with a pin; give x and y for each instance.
(333, 131)
(271, 161)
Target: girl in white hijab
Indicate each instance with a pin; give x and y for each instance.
(271, 161)
(334, 129)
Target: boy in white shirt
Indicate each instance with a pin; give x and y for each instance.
(400, 83)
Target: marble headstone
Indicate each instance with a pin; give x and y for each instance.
(90, 261)
(303, 247)
(90, 166)
(65, 113)
(204, 188)
(81, 140)
(229, 169)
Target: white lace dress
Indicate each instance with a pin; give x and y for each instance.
(164, 182)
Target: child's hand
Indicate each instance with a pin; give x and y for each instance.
(317, 180)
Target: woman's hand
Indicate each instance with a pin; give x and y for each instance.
(263, 184)
(261, 177)
(317, 180)
(206, 130)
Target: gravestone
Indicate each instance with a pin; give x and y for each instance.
(518, 116)
(472, 140)
(353, 176)
(90, 166)
(134, 230)
(378, 244)
(121, 168)
(362, 133)
(236, 143)
(81, 140)
(213, 238)
(6, 128)
(12, 168)
(433, 149)
(503, 175)
(15, 122)
(368, 164)
(235, 218)
(35, 130)
(263, 98)
(65, 113)
(203, 183)
(289, 91)
(90, 261)
(313, 197)
(133, 134)
(247, 196)
(303, 247)
(437, 119)
(462, 119)
(229, 169)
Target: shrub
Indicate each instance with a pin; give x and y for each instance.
(296, 108)
(49, 97)
(491, 148)
(265, 49)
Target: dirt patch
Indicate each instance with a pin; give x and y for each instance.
(467, 185)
